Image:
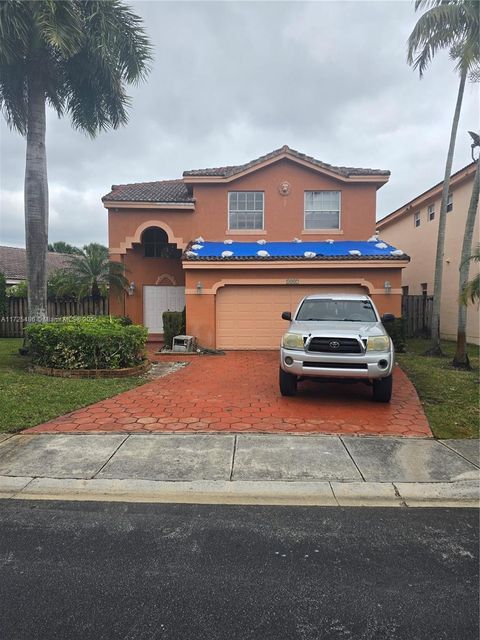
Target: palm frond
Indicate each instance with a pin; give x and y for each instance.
(60, 25)
(13, 95)
(447, 24)
(15, 30)
(471, 291)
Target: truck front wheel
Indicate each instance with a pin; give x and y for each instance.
(382, 389)
(288, 383)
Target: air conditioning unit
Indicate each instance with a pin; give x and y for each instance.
(183, 343)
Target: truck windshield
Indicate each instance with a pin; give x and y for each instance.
(337, 310)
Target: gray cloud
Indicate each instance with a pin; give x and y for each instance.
(234, 80)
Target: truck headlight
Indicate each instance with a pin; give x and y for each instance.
(292, 341)
(378, 343)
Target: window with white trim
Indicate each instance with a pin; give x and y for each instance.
(450, 202)
(245, 210)
(322, 210)
(431, 212)
(416, 218)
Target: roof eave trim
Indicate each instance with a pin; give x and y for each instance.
(292, 264)
(142, 204)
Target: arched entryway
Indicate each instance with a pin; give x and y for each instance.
(155, 264)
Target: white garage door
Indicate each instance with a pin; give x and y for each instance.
(156, 300)
(249, 317)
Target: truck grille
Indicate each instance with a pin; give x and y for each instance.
(336, 365)
(334, 345)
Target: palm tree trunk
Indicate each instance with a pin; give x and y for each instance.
(36, 201)
(460, 359)
(435, 348)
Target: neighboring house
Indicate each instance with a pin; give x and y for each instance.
(221, 242)
(414, 228)
(13, 263)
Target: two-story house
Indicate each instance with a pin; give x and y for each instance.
(237, 245)
(414, 227)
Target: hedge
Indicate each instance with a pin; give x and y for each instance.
(173, 325)
(88, 342)
(397, 330)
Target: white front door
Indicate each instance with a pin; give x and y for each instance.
(156, 300)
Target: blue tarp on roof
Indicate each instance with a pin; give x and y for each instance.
(292, 249)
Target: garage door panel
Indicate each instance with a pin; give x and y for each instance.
(249, 317)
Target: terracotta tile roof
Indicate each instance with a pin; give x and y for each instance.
(13, 262)
(176, 191)
(161, 191)
(231, 170)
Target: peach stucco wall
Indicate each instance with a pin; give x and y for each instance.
(420, 243)
(283, 215)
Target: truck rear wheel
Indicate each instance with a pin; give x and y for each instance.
(288, 383)
(382, 389)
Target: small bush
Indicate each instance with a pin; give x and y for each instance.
(3, 295)
(397, 331)
(90, 342)
(173, 325)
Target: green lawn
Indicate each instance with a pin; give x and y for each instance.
(450, 397)
(28, 399)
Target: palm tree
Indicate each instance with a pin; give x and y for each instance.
(452, 25)
(62, 247)
(76, 56)
(467, 289)
(94, 274)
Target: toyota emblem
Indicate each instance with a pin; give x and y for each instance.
(334, 344)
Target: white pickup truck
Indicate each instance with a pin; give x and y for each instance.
(337, 336)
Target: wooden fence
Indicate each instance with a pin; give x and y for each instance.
(417, 311)
(13, 323)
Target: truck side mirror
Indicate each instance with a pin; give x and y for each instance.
(388, 317)
(286, 315)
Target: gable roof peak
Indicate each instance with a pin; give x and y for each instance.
(231, 170)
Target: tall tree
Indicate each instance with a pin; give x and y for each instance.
(452, 25)
(461, 359)
(92, 273)
(62, 247)
(76, 56)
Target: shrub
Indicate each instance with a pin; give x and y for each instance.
(18, 290)
(89, 342)
(173, 325)
(3, 295)
(397, 331)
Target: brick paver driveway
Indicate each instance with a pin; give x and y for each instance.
(239, 392)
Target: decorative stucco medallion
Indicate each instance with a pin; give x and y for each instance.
(284, 188)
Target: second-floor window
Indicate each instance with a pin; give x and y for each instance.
(431, 212)
(245, 210)
(416, 218)
(450, 202)
(322, 210)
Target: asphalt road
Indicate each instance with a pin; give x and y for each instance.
(142, 572)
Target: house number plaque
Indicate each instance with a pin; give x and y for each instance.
(292, 281)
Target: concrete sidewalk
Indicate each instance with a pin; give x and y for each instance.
(242, 469)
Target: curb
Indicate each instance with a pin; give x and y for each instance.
(347, 494)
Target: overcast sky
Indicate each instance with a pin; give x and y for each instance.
(234, 80)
